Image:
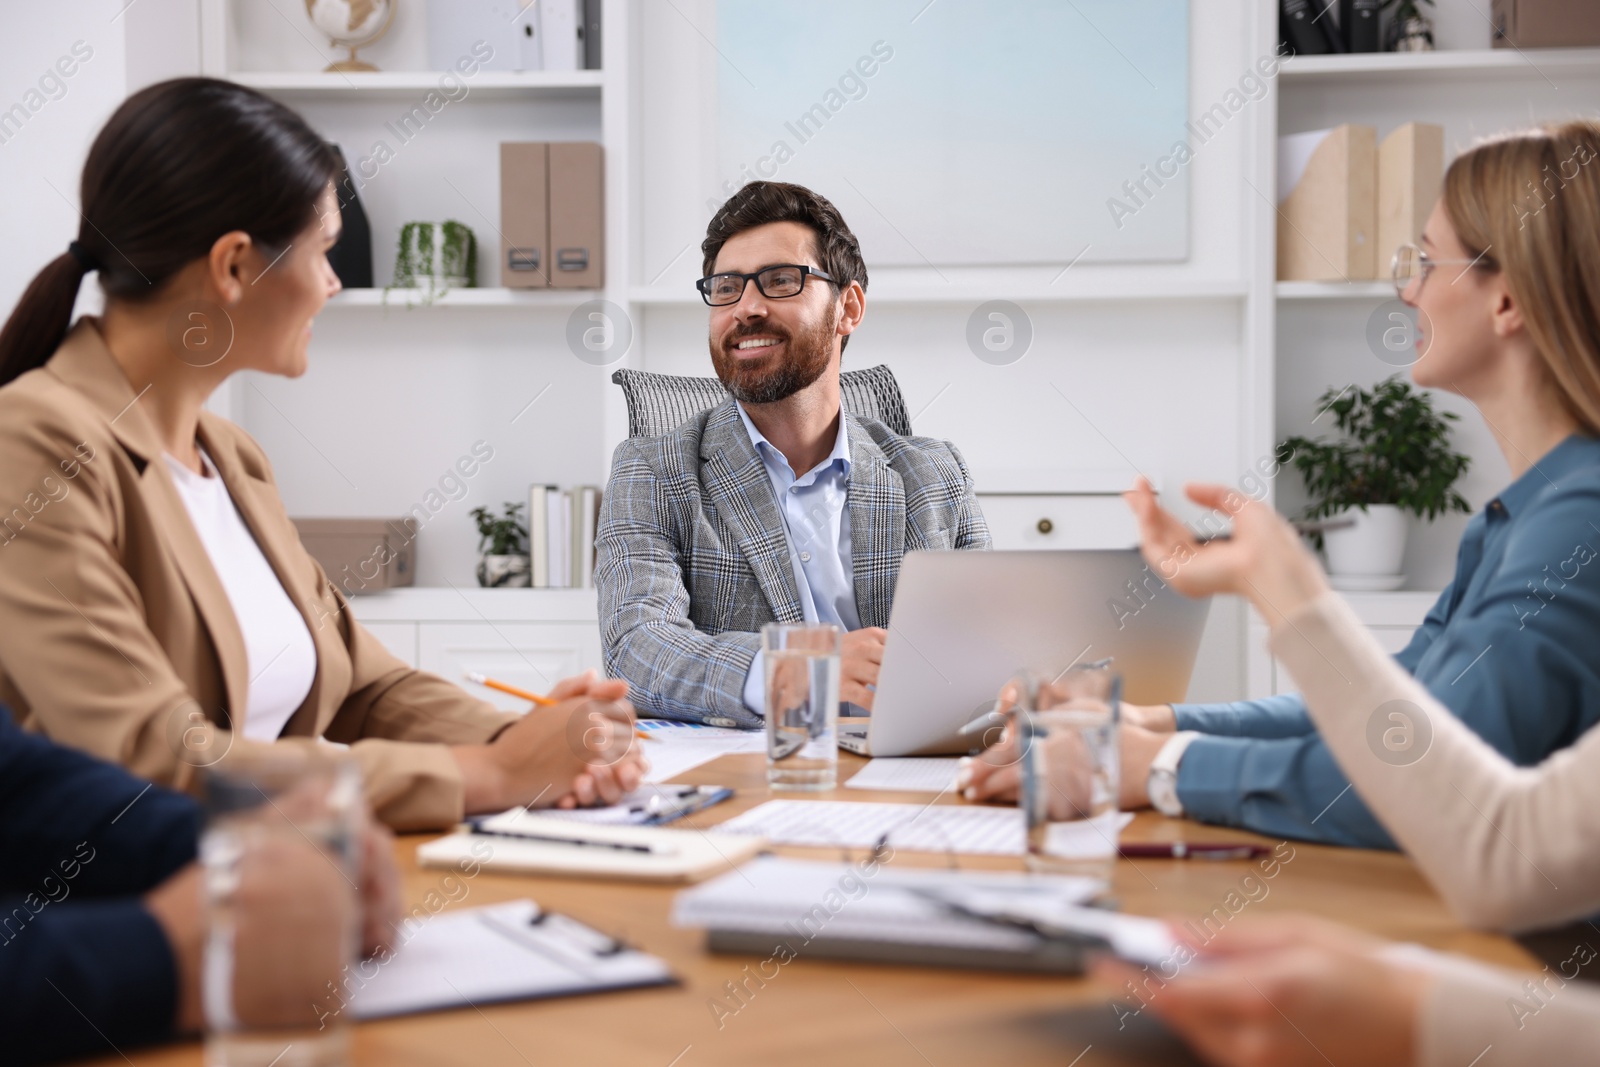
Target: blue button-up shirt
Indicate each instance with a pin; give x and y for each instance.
(1511, 647)
(817, 520)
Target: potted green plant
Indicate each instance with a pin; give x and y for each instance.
(1393, 456)
(435, 257)
(1409, 29)
(503, 562)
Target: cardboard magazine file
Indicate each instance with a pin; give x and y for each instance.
(1545, 23)
(362, 555)
(524, 215)
(577, 215)
(1328, 205)
(1410, 172)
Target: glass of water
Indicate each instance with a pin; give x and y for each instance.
(802, 663)
(281, 855)
(1066, 728)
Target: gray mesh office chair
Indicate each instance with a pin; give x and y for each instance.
(658, 403)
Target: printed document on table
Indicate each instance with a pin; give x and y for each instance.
(677, 747)
(992, 831)
(911, 774)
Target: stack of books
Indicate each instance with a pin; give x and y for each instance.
(561, 525)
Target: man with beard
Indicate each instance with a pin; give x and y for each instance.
(775, 505)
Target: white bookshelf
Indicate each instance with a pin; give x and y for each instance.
(1362, 290)
(1488, 64)
(493, 84)
(405, 299)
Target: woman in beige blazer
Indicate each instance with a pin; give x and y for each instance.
(207, 212)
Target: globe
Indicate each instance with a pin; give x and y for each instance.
(351, 24)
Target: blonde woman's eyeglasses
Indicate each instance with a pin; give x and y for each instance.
(1412, 264)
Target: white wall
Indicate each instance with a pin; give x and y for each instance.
(41, 162)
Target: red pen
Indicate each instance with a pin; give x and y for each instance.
(1180, 850)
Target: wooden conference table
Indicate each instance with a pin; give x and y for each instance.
(823, 1012)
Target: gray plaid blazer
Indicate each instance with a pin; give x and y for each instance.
(691, 556)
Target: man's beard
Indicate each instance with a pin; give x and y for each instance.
(766, 380)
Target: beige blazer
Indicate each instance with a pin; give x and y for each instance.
(116, 636)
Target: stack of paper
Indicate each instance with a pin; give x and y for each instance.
(870, 911)
(993, 831)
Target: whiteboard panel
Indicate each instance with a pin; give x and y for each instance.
(1024, 119)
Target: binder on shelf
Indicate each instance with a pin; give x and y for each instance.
(481, 32)
(561, 23)
(576, 212)
(1358, 23)
(539, 497)
(1300, 29)
(585, 519)
(524, 215)
(1410, 171)
(591, 34)
(1327, 205)
(559, 539)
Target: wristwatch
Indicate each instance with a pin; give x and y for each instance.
(1162, 783)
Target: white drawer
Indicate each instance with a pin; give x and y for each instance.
(399, 638)
(529, 655)
(1077, 520)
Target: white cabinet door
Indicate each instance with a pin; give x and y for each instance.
(398, 637)
(1267, 677)
(532, 656)
(1019, 521)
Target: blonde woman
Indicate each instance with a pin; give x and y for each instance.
(1507, 283)
(156, 606)
(1511, 847)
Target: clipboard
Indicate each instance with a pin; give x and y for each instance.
(470, 957)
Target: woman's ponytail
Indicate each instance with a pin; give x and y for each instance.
(41, 317)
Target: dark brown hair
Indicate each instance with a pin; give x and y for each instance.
(178, 165)
(760, 203)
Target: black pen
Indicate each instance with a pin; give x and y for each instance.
(581, 842)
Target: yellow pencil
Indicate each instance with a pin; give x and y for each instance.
(539, 699)
(485, 680)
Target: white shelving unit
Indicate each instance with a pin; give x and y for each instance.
(413, 299)
(312, 85)
(1364, 290)
(1488, 64)
(1319, 334)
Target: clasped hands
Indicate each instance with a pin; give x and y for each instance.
(580, 751)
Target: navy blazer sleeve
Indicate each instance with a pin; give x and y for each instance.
(84, 968)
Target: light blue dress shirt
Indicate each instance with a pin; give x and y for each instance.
(816, 518)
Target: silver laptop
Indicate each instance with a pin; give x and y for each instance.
(965, 622)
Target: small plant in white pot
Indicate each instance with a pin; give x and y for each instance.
(503, 563)
(1393, 456)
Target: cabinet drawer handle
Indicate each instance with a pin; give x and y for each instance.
(1045, 526)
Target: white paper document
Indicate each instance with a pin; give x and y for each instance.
(989, 831)
(911, 774)
(510, 951)
(678, 747)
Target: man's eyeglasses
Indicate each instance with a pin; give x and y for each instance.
(775, 283)
(1412, 264)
